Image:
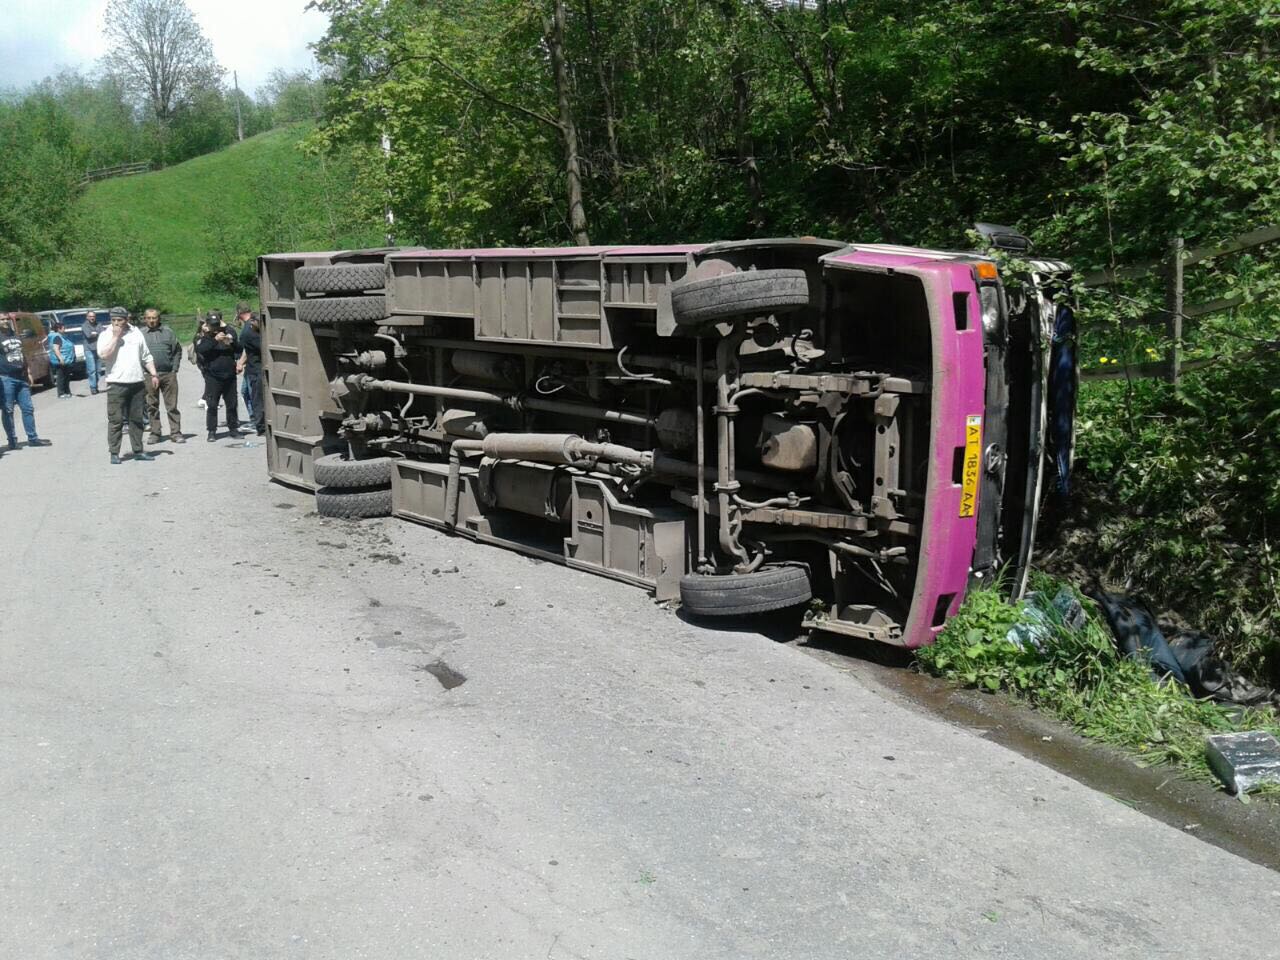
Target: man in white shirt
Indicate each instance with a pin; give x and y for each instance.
(126, 361)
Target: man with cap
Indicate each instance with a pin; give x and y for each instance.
(15, 385)
(166, 351)
(251, 366)
(91, 330)
(218, 350)
(127, 363)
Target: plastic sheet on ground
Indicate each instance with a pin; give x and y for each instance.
(1040, 614)
(1244, 761)
(1185, 655)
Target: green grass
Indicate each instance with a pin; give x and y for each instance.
(260, 196)
(1081, 679)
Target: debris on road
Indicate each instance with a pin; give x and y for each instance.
(1244, 761)
(449, 678)
(1182, 654)
(1212, 677)
(1136, 633)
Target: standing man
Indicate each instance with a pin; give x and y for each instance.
(251, 366)
(166, 353)
(16, 383)
(127, 361)
(91, 330)
(217, 351)
(243, 314)
(62, 354)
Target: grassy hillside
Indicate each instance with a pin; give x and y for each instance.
(212, 215)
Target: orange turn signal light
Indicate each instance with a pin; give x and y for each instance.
(987, 270)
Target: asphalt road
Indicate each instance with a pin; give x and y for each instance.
(221, 739)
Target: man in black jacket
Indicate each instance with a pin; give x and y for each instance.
(218, 351)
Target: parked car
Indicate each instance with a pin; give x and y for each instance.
(32, 333)
(72, 321)
(858, 430)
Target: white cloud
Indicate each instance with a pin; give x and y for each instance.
(251, 37)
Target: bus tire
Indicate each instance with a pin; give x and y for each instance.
(746, 293)
(770, 588)
(340, 310)
(340, 278)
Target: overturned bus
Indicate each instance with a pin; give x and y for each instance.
(746, 426)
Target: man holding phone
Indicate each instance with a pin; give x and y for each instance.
(217, 352)
(127, 362)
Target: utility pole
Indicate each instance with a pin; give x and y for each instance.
(235, 79)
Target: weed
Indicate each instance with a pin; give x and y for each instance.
(1180, 500)
(1082, 679)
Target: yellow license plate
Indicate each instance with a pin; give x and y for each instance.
(972, 466)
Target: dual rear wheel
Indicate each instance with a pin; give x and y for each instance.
(353, 489)
(341, 293)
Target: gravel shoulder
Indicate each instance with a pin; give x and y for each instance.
(234, 729)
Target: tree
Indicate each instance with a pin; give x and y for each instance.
(160, 53)
(553, 30)
(104, 261)
(457, 85)
(292, 96)
(37, 193)
(105, 126)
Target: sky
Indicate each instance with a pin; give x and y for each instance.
(252, 37)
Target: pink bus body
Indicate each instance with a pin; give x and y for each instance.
(857, 430)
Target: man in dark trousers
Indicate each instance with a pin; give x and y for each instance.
(128, 365)
(92, 365)
(62, 355)
(251, 365)
(166, 352)
(218, 351)
(15, 385)
(243, 313)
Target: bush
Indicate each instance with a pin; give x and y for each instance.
(1082, 679)
(1180, 500)
(235, 276)
(231, 267)
(105, 263)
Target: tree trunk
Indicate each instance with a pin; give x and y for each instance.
(829, 60)
(606, 93)
(829, 99)
(572, 162)
(1268, 103)
(744, 143)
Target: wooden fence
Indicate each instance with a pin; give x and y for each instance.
(120, 170)
(1172, 267)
